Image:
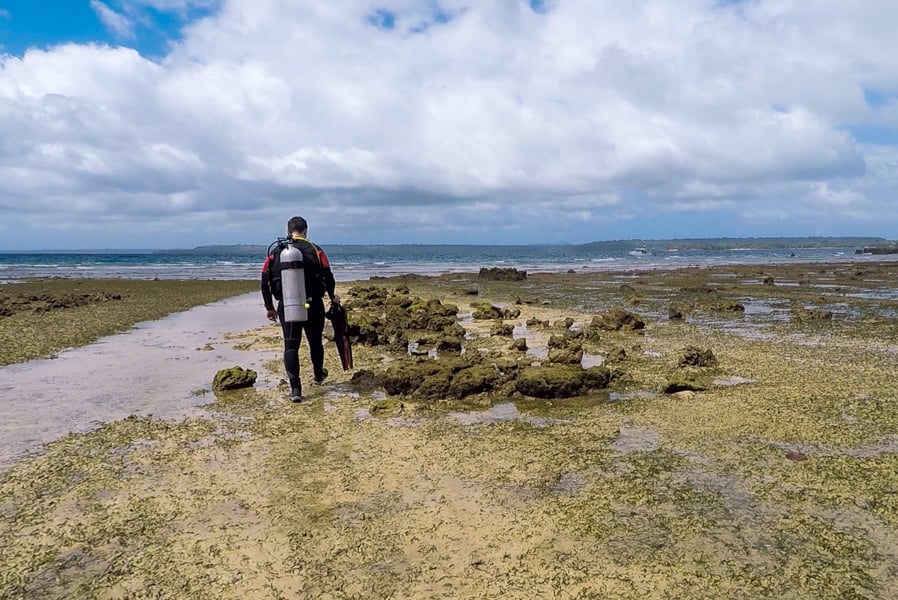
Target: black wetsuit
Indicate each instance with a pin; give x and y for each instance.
(319, 281)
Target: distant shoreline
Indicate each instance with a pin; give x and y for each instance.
(665, 245)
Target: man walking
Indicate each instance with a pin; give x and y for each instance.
(319, 280)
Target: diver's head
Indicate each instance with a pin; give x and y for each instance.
(297, 226)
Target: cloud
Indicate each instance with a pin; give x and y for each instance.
(460, 117)
(5, 14)
(115, 22)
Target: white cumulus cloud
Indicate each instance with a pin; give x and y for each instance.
(457, 118)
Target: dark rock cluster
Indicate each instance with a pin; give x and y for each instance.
(45, 302)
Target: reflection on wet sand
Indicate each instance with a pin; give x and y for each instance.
(154, 369)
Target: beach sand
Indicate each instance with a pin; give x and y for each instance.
(776, 481)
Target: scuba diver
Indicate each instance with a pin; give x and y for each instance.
(297, 274)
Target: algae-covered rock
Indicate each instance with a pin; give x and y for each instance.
(511, 313)
(233, 378)
(536, 322)
(520, 345)
(560, 381)
(450, 344)
(675, 313)
(727, 306)
(502, 274)
(617, 354)
(484, 311)
(572, 355)
(365, 379)
(473, 380)
(693, 356)
(617, 319)
(565, 323)
(686, 381)
(502, 329)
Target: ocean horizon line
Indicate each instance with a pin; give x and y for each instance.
(716, 242)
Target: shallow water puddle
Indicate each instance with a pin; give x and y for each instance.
(153, 369)
(498, 413)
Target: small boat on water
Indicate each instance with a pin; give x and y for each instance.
(641, 251)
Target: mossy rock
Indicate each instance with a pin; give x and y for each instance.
(473, 380)
(534, 322)
(560, 381)
(406, 377)
(617, 319)
(693, 356)
(502, 329)
(501, 274)
(484, 311)
(558, 341)
(520, 345)
(450, 344)
(617, 354)
(686, 381)
(233, 378)
(365, 379)
(511, 313)
(565, 323)
(727, 306)
(566, 356)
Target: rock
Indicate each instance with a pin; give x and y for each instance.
(769, 281)
(684, 382)
(675, 313)
(502, 329)
(511, 313)
(471, 291)
(558, 341)
(566, 356)
(502, 274)
(365, 379)
(565, 323)
(727, 306)
(233, 378)
(535, 322)
(474, 380)
(617, 354)
(484, 311)
(617, 319)
(696, 357)
(450, 344)
(561, 381)
(520, 345)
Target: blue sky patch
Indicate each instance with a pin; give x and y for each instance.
(382, 19)
(43, 24)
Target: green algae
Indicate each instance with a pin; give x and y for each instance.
(58, 324)
(650, 497)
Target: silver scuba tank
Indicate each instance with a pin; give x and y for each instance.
(293, 285)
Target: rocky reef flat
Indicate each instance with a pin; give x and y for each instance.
(729, 432)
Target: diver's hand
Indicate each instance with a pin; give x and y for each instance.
(272, 314)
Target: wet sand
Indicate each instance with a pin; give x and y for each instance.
(777, 481)
(155, 369)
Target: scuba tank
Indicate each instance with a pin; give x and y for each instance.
(293, 285)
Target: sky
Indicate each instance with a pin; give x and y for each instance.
(179, 123)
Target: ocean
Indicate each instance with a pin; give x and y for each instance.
(353, 263)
